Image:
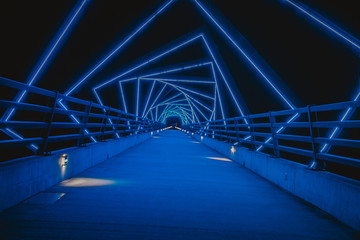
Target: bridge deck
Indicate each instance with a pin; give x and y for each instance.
(170, 187)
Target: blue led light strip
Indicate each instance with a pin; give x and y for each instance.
(47, 56)
(146, 62)
(327, 24)
(137, 98)
(42, 63)
(113, 52)
(177, 87)
(152, 74)
(18, 136)
(148, 98)
(352, 41)
(180, 80)
(157, 97)
(336, 131)
(169, 51)
(191, 99)
(119, 46)
(226, 34)
(164, 72)
(169, 99)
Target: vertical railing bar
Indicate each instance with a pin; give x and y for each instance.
(315, 164)
(47, 134)
(251, 129)
(104, 124)
(117, 125)
(85, 123)
(272, 120)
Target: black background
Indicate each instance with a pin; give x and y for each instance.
(313, 65)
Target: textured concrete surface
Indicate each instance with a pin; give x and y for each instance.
(337, 195)
(22, 178)
(169, 187)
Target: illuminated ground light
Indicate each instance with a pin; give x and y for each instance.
(233, 149)
(220, 159)
(86, 182)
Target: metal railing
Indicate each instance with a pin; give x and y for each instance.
(83, 122)
(312, 136)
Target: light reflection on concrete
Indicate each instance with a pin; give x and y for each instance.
(86, 182)
(44, 198)
(220, 159)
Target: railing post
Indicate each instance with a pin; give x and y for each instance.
(251, 129)
(104, 125)
(237, 130)
(117, 125)
(314, 164)
(85, 122)
(212, 129)
(42, 149)
(129, 125)
(274, 135)
(227, 132)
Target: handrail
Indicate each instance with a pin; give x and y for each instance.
(261, 131)
(94, 121)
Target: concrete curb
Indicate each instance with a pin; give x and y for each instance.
(25, 177)
(337, 195)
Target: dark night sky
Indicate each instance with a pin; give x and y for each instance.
(315, 66)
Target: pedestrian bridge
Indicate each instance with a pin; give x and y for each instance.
(193, 136)
(168, 187)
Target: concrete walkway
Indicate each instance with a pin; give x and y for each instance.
(170, 187)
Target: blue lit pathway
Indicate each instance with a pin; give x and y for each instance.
(170, 187)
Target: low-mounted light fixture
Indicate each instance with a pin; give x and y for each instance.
(202, 138)
(233, 149)
(64, 159)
